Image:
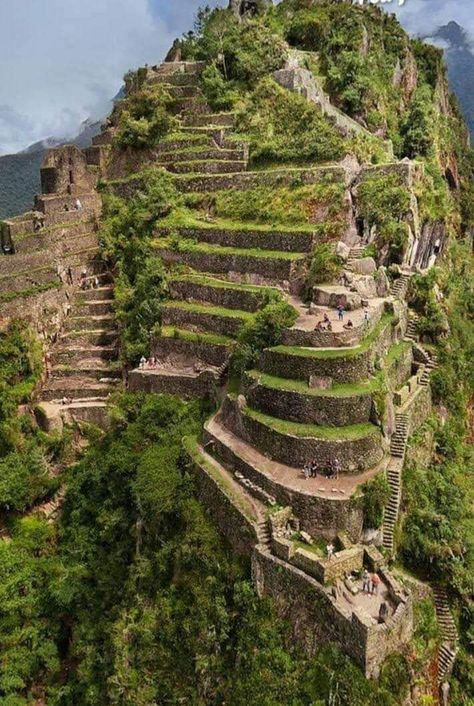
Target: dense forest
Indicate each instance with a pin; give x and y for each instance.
(129, 596)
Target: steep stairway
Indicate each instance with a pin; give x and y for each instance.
(399, 288)
(394, 476)
(449, 633)
(83, 370)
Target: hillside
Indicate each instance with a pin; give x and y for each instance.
(236, 381)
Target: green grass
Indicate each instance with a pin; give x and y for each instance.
(209, 309)
(349, 390)
(184, 137)
(396, 352)
(283, 426)
(185, 218)
(191, 447)
(192, 246)
(335, 353)
(222, 284)
(194, 337)
(6, 297)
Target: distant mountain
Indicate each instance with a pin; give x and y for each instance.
(459, 53)
(20, 173)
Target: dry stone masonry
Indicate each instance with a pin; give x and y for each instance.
(345, 399)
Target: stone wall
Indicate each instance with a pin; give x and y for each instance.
(240, 181)
(318, 620)
(294, 241)
(65, 171)
(419, 407)
(203, 384)
(238, 529)
(355, 455)
(328, 571)
(214, 323)
(343, 368)
(171, 349)
(319, 516)
(296, 406)
(228, 297)
(269, 269)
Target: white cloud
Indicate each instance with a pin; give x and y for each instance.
(62, 60)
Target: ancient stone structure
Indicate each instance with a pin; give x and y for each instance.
(344, 398)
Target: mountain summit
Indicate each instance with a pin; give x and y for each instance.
(458, 46)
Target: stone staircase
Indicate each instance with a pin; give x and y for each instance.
(84, 369)
(394, 477)
(392, 509)
(449, 633)
(400, 287)
(264, 534)
(411, 333)
(356, 253)
(400, 437)
(431, 364)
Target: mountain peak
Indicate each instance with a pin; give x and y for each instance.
(453, 33)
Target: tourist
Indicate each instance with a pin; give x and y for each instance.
(375, 583)
(66, 207)
(83, 279)
(330, 550)
(96, 282)
(319, 326)
(348, 325)
(337, 468)
(69, 277)
(367, 317)
(340, 312)
(326, 319)
(306, 471)
(151, 362)
(78, 205)
(365, 582)
(313, 469)
(329, 327)
(142, 363)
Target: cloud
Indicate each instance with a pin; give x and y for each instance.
(421, 17)
(61, 61)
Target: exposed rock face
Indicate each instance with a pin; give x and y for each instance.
(364, 266)
(247, 7)
(174, 53)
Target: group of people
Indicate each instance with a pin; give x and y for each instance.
(86, 282)
(310, 470)
(326, 325)
(370, 583)
(149, 364)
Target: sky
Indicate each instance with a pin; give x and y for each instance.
(62, 61)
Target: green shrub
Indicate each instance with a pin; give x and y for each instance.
(146, 119)
(376, 496)
(283, 126)
(217, 91)
(262, 331)
(325, 266)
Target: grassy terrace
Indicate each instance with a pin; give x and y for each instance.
(277, 174)
(223, 284)
(182, 218)
(194, 337)
(349, 390)
(343, 353)
(192, 246)
(282, 426)
(209, 309)
(6, 297)
(229, 488)
(30, 271)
